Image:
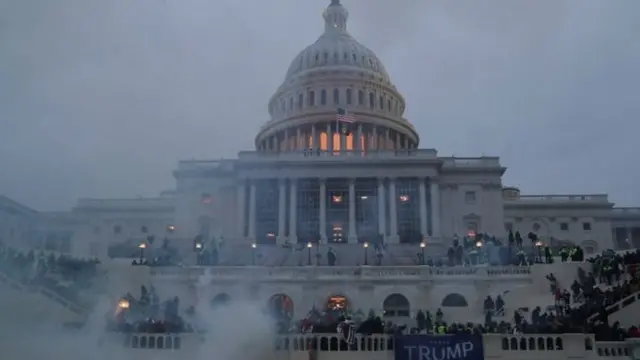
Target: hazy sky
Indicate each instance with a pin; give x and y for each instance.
(102, 98)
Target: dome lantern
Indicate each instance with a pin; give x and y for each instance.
(335, 17)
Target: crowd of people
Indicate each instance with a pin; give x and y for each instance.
(65, 275)
(146, 314)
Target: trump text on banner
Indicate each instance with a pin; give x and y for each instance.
(439, 347)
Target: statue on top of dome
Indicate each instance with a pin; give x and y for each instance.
(334, 2)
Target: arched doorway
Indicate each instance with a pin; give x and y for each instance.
(221, 299)
(454, 300)
(281, 306)
(396, 305)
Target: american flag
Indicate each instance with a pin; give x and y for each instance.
(348, 332)
(343, 116)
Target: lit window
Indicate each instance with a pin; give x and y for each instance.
(336, 198)
(404, 198)
(171, 228)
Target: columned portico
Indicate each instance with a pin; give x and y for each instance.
(293, 229)
(382, 223)
(252, 211)
(240, 199)
(423, 208)
(323, 211)
(393, 212)
(353, 236)
(361, 209)
(435, 208)
(282, 210)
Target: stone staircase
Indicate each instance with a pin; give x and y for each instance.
(41, 301)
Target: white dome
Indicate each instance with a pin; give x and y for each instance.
(336, 74)
(335, 47)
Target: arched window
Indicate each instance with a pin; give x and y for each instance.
(291, 103)
(312, 98)
(355, 58)
(300, 101)
(349, 96)
(388, 104)
(346, 56)
(396, 305)
(381, 102)
(360, 97)
(372, 100)
(323, 97)
(317, 59)
(336, 96)
(454, 300)
(326, 57)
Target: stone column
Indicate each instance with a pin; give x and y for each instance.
(382, 220)
(240, 199)
(357, 140)
(323, 211)
(393, 212)
(314, 138)
(282, 210)
(252, 211)
(298, 140)
(435, 209)
(353, 235)
(293, 201)
(329, 139)
(423, 208)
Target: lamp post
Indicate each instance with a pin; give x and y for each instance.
(253, 253)
(365, 246)
(309, 246)
(423, 245)
(479, 247)
(198, 246)
(539, 247)
(142, 246)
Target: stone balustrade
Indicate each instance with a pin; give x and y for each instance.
(380, 347)
(352, 273)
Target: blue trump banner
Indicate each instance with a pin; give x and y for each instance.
(439, 347)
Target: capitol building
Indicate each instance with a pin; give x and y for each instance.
(315, 185)
(325, 185)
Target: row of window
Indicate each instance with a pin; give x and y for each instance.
(324, 59)
(338, 99)
(117, 229)
(586, 226)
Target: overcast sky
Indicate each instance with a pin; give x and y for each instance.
(102, 98)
